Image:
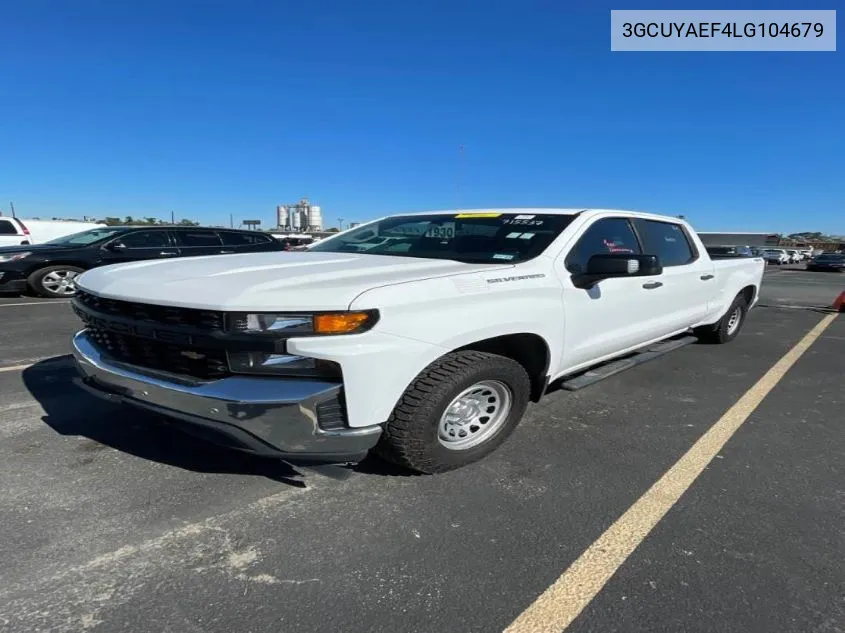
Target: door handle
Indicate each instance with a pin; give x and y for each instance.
(652, 285)
(707, 277)
(226, 252)
(167, 254)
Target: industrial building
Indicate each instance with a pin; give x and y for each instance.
(300, 217)
(738, 239)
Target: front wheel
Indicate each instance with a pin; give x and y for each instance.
(55, 281)
(458, 410)
(728, 327)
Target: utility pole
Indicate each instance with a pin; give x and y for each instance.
(231, 221)
(12, 204)
(172, 217)
(340, 223)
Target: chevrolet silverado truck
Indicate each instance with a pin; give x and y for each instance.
(426, 347)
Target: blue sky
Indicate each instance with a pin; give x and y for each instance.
(217, 107)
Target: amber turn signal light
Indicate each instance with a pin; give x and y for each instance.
(342, 322)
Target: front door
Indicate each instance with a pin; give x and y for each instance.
(138, 245)
(616, 314)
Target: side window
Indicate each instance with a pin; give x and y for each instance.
(666, 240)
(7, 228)
(197, 238)
(610, 235)
(146, 239)
(233, 238)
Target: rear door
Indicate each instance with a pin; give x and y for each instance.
(241, 242)
(10, 234)
(196, 242)
(139, 245)
(688, 280)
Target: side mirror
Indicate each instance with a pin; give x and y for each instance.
(606, 266)
(117, 246)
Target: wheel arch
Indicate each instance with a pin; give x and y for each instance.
(53, 263)
(749, 293)
(528, 349)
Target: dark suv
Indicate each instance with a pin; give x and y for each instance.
(49, 269)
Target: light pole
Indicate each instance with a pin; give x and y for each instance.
(340, 223)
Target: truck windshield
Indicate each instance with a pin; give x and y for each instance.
(85, 237)
(487, 238)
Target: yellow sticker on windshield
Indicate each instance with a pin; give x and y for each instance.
(478, 215)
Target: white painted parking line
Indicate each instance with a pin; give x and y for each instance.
(35, 303)
(555, 609)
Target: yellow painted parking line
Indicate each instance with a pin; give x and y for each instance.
(561, 603)
(34, 303)
(43, 363)
(14, 368)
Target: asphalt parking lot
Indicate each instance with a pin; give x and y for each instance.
(113, 521)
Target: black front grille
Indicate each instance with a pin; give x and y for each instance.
(152, 354)
(207, 320)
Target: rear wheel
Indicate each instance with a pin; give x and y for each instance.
(54, 281)
(458, 410)
(728, 327)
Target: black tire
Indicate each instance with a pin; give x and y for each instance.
(410, 437)
(722, 331)
(36, 281)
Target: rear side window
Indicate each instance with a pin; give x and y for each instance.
(7, 228)
(197, 238)
(146, 239)
(666, 240)
(233, 238)
(610, 235)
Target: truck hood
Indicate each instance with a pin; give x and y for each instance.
(264, 281)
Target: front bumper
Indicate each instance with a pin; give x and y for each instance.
(276, 417)
(12, 281)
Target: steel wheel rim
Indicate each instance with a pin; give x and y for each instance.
(60, 282)
(474, 415)
(733, 321)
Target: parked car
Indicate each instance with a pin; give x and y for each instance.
(776, 256)
(827, 261)
(16, 232)
(50, 269)
(295, 243)
(425, 349)
(795, 257)
(730, 251)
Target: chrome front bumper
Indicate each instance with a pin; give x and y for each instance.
(263, 415)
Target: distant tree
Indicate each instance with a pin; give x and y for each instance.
(808, 235)
(151, 220)
(334, 229)
(129, 220)
(110, 221)
(186, 222)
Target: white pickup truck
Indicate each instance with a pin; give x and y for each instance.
(425, 348)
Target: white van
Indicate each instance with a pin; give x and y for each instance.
(14, 231)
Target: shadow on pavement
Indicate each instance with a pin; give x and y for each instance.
(72, 411)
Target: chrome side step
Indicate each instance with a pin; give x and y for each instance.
(613, 367)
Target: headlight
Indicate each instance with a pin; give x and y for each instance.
(282, 365)
(13, 257)
(286, 324)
